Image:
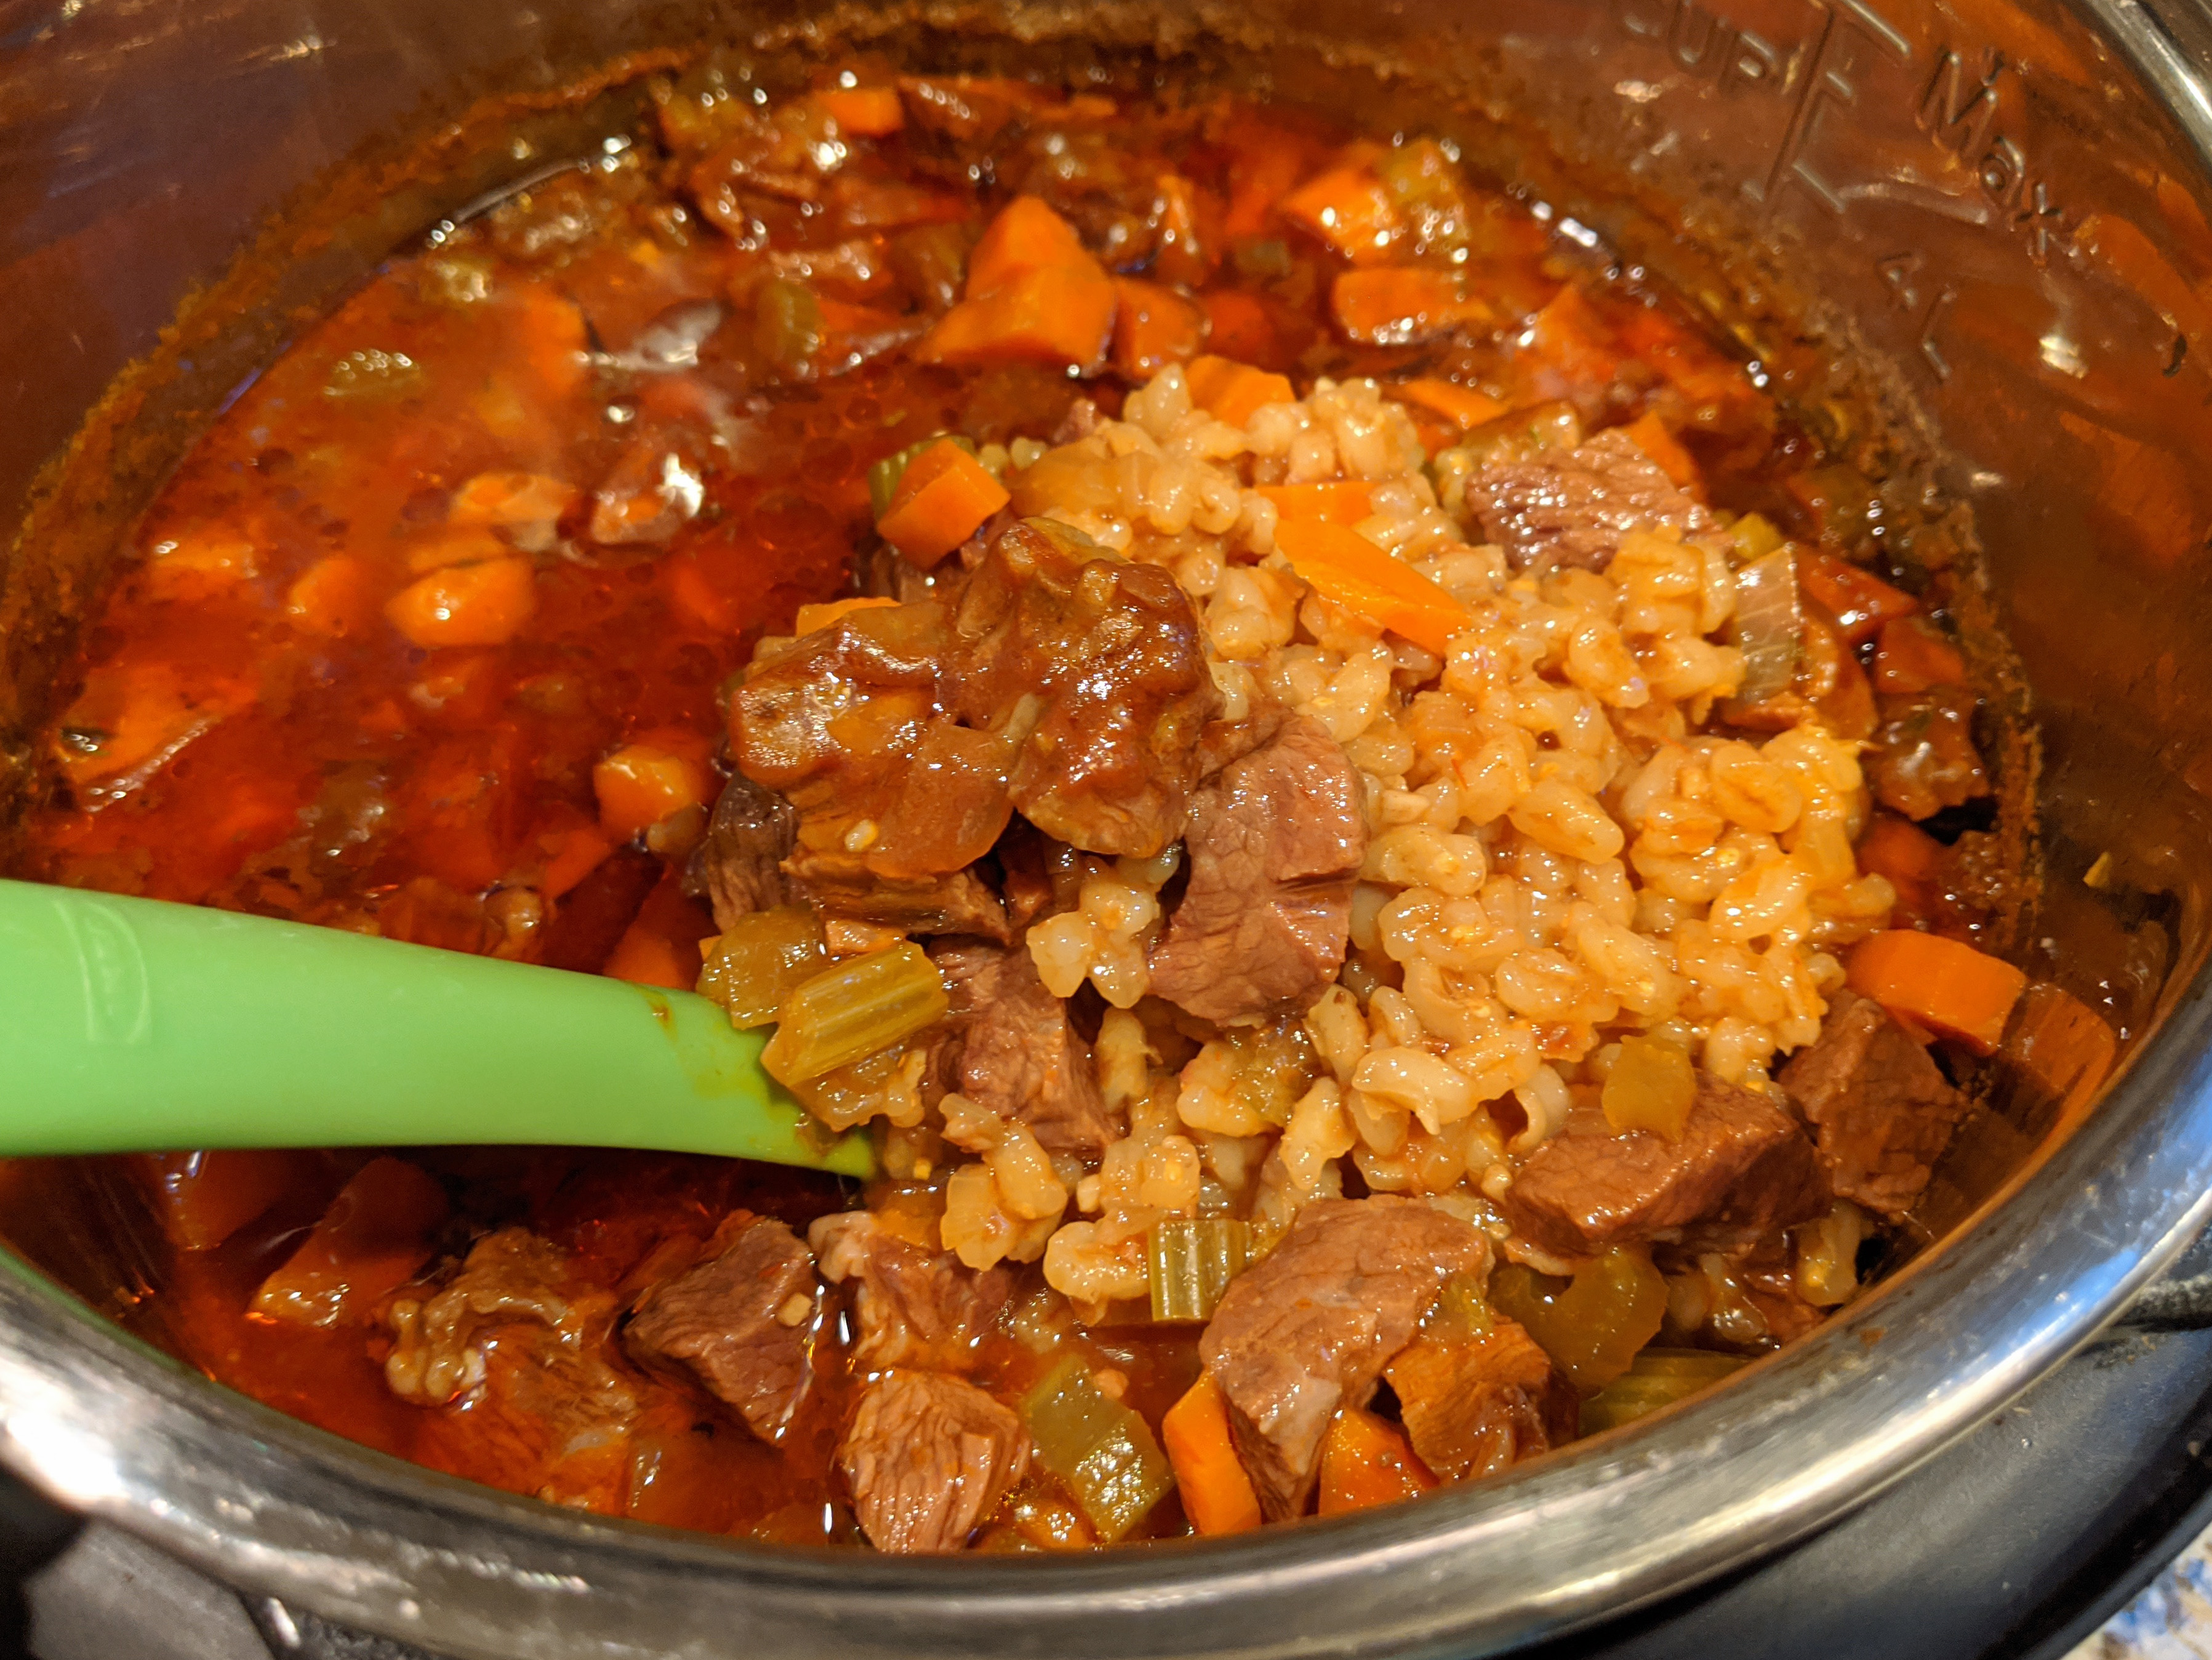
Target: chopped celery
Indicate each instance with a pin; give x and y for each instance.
(760, 960)
(1461, 1313)
(1191, 1263)
(787, 323)
(1652, 1086)
(884, 477)
(1105, 1451)
(1593, 1325)
(854, 1009)
(1657, 1377)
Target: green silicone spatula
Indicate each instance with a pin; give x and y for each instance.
(138, 1025)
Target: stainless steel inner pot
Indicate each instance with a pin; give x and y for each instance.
(1993, 215)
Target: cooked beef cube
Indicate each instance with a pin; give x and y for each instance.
(741, 1323)
(1475, 1404)
(1101, 660)
(1924, 756)
(957, 902)
(1881, 1112)
(914, 1307)
(1741, 1169)
(738, 867)
(1276, 842)
(1020, 1057)
(1572, 506)
(927, 1459)
(880, 571)
(1310, 1329)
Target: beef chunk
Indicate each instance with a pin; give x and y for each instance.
(1019, 1057)
(928, 1458)
(1572, 506)
(738, 867)
(1925, 759)
(1881, 1109)
(915, 1307)
(1310, 1329)
(1276, 842)
(741, 1323)
(1103, 660)
(1741, 1169)
(1476, 1402)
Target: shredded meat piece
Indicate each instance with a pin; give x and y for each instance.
(914, 1307)
(1105, 658)
(1020, 1057)
(1881, 1110)
(1741, 1169)
(1924, 756)
(1276, 844)
(1572, 506)
(738, 867)
(1310, 1329)
(927, 1459)
(1475, 1405)
(741, 1322)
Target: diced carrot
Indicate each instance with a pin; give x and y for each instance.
(375, 1234)
(1237, 327)
(331, 597)
(1263, 171)
(580, 852)
(1649, 434)
(1027, 236)
(1572, 340)
(555, 341)
(1348, 208)
(1186, 249)
(1232, 392)
(480, 604)
(943, 498)
(1342, 502)
(1717, 388)
(661, 946)
(1860, 601)
(1401, 305)
(813, 618)
(1463, 406)
(1941, 984)
(641, 784)
(205, 561)
(1910, 656)
(1366, 1461)
(456, 546)
(1061, 315)
(510, 500)
(1345, 566)
(202, 1198)
(1895, 847)
(863, 112)
(693, 596)
(1217, 1493)
(1153, 327)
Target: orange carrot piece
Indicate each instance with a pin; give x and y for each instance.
(1366, 1461)
(1061, 315)
(1716, 386)
(863, 112)
(330, 597)
(1259, 176)
(943, 497)
(205, 561)
(1348, 208)
(813, 618)
(1217, 1493)
(502, 499)
(1910, 656)
(1345, 566)
(1860, 601)
(641, 784)
(1232, 392)
(1027, 236)
(1463, 406)
(1896, 849)
(1237, 325)
(556, 344)
(1343, 503)
(1649, 434)
(1572, 340)
(1939, 984)
(1401, 305)
(479, 604)
(661, 947)
(1153, 327)
(580, 852)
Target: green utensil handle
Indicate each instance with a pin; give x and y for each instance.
(138, 1025)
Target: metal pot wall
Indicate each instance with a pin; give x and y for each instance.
(1993, 216)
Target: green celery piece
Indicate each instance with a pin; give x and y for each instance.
(852, 1010)
(1191, 1262)
(1105, 1451)
(760, 960)
(1656, 1378)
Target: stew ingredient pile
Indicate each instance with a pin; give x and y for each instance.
(1397, 872)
